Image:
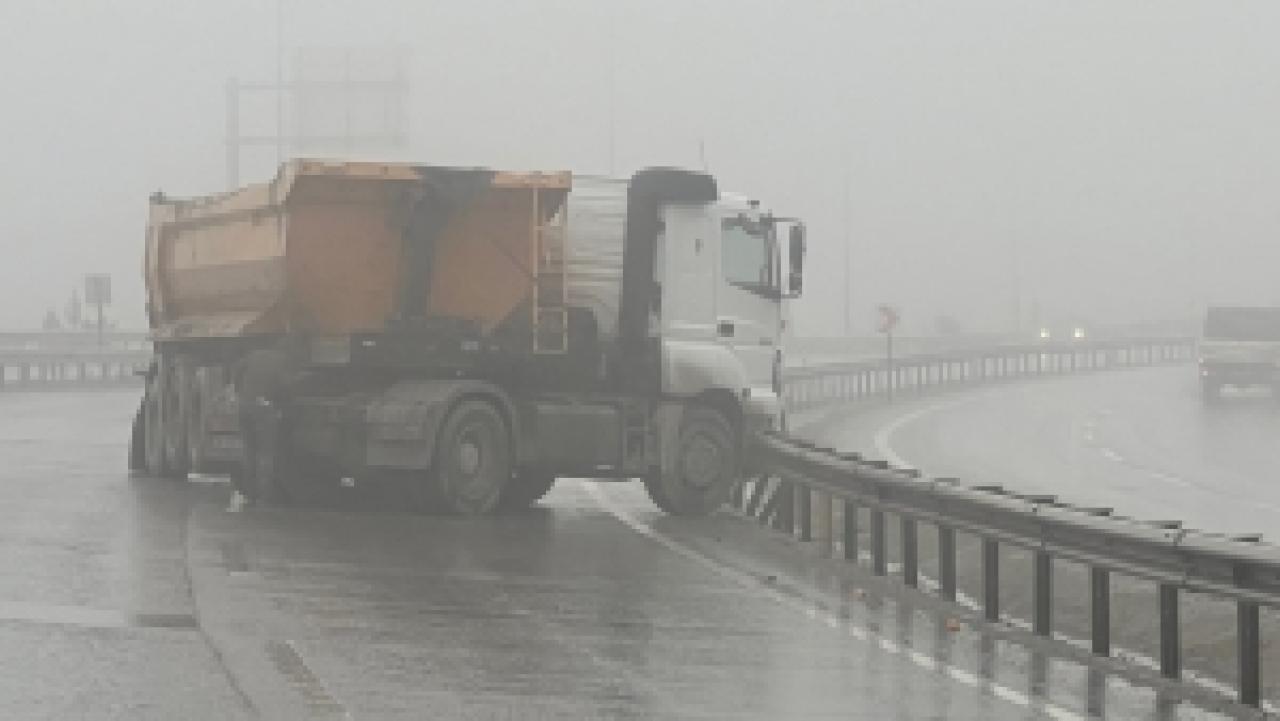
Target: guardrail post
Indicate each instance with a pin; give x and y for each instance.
(879, 557)
(850, 531)
(991, 579)
(1170, 644)
(804, 503)
(947, 562)
(1248, 645)
(910, 553)
(1250, 649)
(822, 524)
(1100, 610)
(785, 520)
(1043, 622)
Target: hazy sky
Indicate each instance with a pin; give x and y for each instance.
(1112, 160)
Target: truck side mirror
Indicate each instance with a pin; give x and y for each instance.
(795, 256)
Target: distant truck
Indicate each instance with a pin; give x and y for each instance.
(1240, 347)
(472, 333)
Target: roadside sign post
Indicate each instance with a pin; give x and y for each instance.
(97, 293)
(888, 321)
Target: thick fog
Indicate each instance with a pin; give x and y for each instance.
(997, 162)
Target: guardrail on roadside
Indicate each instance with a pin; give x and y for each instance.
(813, 386)
(798, 478)
(45, 368)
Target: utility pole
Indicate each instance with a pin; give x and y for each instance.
(326, 95)
(1016, 258)
(848, 281)
(279, 82)
(612, 82)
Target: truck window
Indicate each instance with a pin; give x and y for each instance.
(1248, 324)
(745, 256)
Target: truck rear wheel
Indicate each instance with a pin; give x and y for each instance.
(263, 463)
(138, 439)
(160, 424)
(704, 469)
(525, 489)
(472, 463)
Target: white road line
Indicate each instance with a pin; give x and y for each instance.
(927, 663)
(884, 446)
(883, 436)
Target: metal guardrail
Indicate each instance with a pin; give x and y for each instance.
(795, 473)
(43, 368)
(60, 339)
(817, 385)
(42, 359)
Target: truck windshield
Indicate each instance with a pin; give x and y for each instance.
(1256, 324)
(746, 255)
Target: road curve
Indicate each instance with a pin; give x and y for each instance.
(1139, 440)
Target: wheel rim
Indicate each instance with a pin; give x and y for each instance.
(472, 474)
(703, 461)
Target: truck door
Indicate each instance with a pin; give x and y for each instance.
(748, 311)
(688, 249)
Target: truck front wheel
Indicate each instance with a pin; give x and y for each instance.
(704, 469)
(472, 464)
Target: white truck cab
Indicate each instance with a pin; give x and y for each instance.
(722, 284)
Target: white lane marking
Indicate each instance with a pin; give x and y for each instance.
(883, 438)
(1111, 455)
(883, 445)
(927, 663)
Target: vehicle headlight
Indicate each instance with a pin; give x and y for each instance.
(1078, 333)
(1044, 333)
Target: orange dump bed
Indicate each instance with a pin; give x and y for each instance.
(327, 248)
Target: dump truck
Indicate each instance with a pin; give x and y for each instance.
(472, 334)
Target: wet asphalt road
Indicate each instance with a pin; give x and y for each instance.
(136, 598)
(1141, 441)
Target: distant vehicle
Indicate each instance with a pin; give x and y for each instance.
(1241, 348)
(1061, 333)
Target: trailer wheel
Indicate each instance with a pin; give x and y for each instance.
(525, 489)
(705, 467)
(265, 463)
(138, 439)
(472, 463)
(156, 412)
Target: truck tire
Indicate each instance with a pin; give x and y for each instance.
(157, 434)
(706, 465)
(472, 461)
(525, 489)
(265, 463)
(138, 440)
